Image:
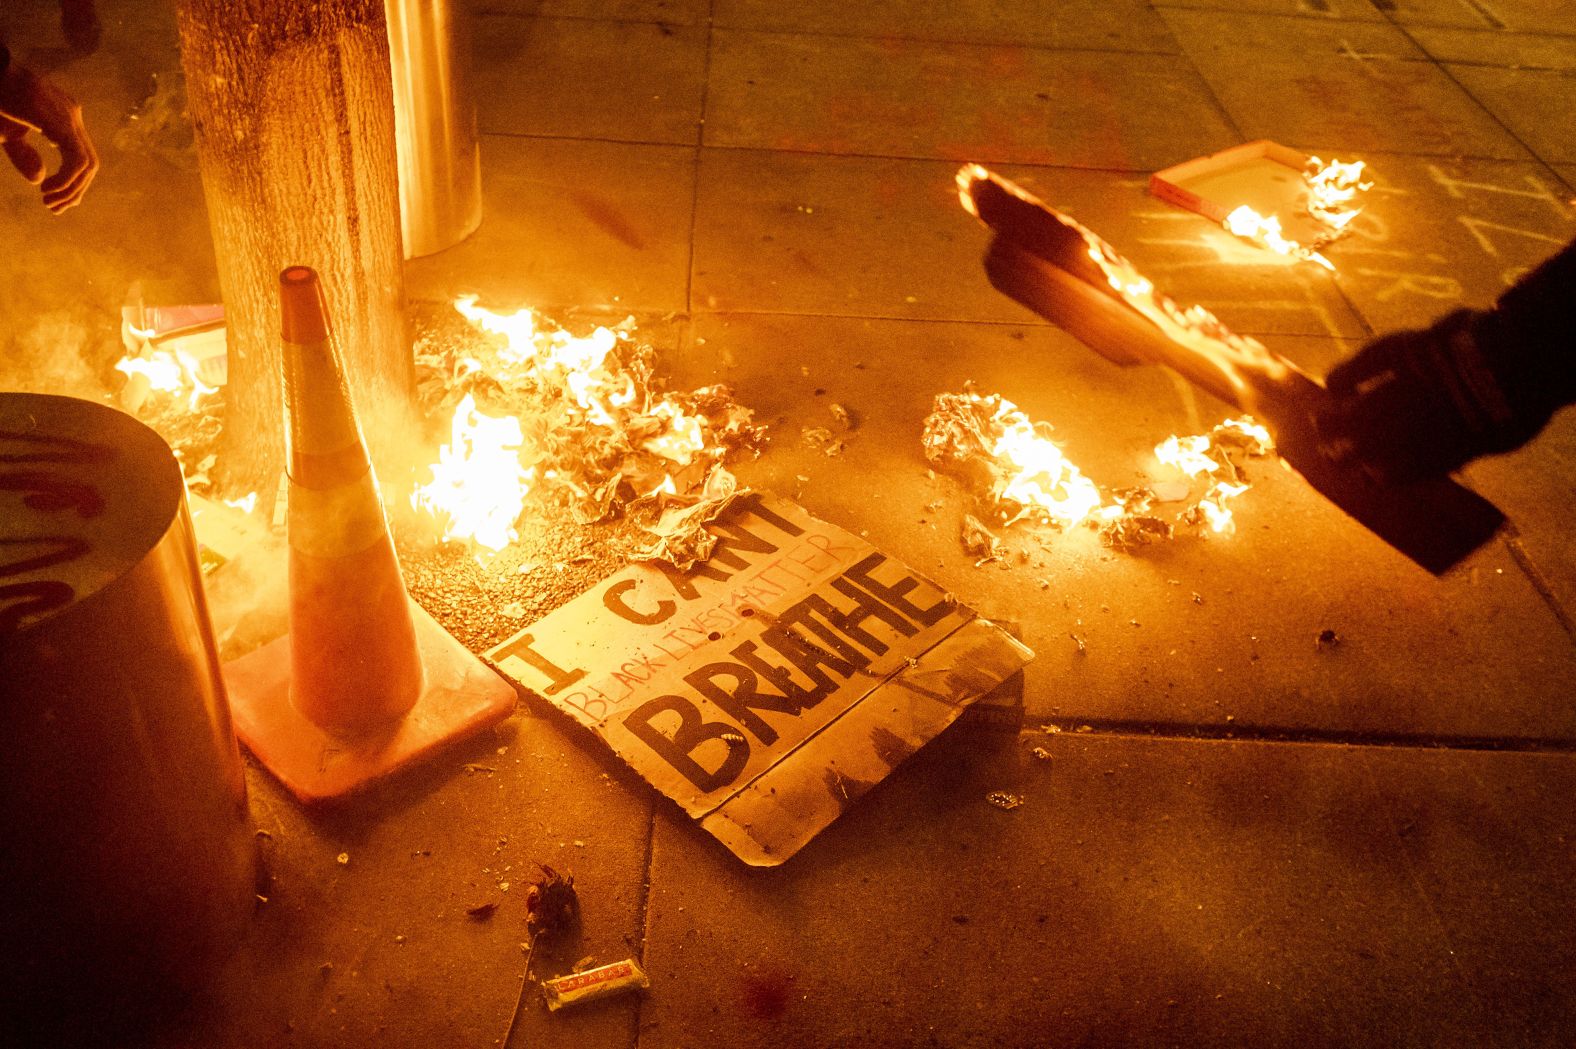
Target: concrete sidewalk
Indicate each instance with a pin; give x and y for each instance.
(1239, 837)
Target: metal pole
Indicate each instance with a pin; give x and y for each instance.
(440, 179)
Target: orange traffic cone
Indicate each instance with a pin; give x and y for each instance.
(365, 682)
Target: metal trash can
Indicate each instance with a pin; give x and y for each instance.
(440, 175)
(127, 863)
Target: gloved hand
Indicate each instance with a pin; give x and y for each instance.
(1418, 404)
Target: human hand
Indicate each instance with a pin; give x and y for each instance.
(30, 103)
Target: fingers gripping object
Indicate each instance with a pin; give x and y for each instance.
(1069, 275)
(29, 102)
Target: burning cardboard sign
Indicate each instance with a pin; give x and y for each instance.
(1276, 197)
(765, 689)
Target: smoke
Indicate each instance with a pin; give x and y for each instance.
(248, 596)
(56, 353)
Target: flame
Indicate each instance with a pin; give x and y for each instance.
(478, 484)
(682, 440)
(1250, 225)
(581, 365)
(246, 504)
(1033, 478)
(1214, 509)
(1043, 480)
(1243, 431)
(557, 357)
(597, 432)
(967, 175)
(1206, 455)
(518, 330)
(171, 372)
(1188, 454)
(1331, 189)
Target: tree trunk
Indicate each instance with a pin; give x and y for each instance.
(292, 105)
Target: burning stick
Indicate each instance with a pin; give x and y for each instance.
(1067, 274)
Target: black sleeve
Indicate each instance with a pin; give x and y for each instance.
(1529, 337)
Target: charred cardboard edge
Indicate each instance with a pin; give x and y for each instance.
(970, 661)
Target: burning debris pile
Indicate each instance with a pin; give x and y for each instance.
(581, 422)
(175, 374)
(1020, 474)
(579, 427)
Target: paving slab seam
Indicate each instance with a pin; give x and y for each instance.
(1468, 63)
(1530, 158)
(726, 147)
(1493, 20)
(1323, 17)
(700, 138)
(1214, 99)
(1341, 293)
(642, 922)
(856, 155)
(1238, 733)
(525, 16)
(599, 139)
(1444, 70)
(1485, 30)
(1387, 8)
(1029, 322)
(920, 159)
(946, 42)
(1539, 581)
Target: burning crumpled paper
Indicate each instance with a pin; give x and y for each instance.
(591, 426)
(1020, 473)
(682, 538)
